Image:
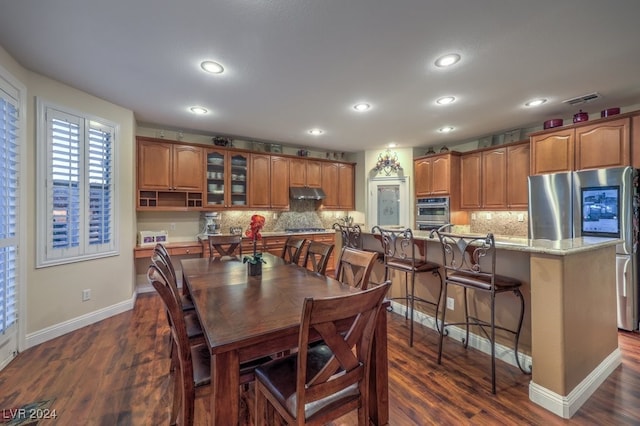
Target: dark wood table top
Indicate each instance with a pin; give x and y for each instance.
(234, 307)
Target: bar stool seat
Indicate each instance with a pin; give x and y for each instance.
(399, 249)
(470, 262)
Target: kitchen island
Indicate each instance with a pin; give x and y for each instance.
(570, 326)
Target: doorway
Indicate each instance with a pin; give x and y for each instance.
(389, 202)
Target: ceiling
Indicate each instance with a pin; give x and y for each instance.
(293, 65)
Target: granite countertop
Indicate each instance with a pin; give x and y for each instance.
(558, 247)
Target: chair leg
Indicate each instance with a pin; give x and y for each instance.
(518, 293)
(413, 279)
(493, 343)
(444, 311)
(438, 328)
(466, 318)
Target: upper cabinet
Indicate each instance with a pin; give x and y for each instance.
(170, 175)
(280, 172)
(227, 178)
(603, 144)
(260, 185)
(434, 174)
(169, 166)
(518, 176)
(303, 172)
(495, 178)
(338, 180)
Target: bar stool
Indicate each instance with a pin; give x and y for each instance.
(351, 235)
(470, 262)
(400, 254)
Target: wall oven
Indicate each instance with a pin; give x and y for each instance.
(432, 213)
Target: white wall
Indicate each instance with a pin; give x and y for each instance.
(53, 295)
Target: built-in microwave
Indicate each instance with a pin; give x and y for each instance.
(432, 212)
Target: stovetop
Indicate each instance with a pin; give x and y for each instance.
(292, 230)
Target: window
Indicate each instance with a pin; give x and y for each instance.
(76, 210)
(9, 198)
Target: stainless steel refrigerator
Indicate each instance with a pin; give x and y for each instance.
(600, 203)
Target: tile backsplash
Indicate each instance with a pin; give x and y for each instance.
(511, 223)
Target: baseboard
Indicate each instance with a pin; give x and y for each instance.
(567, 406)
(478, 342)
(57, 330)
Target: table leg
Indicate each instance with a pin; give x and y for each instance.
(379, 380)
(225, 392)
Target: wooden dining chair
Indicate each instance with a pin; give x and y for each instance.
(317, 257)
(225, 246)
(190, 362)
(321, 383)
(293, 249)
(190, 318)
(355, 266)
(162, 259)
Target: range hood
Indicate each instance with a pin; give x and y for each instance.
(304, 193)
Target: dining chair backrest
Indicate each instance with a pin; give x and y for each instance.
(332, 379)
(161, 251)
(165, 268)
(225, 246)
(351, 235)
(355, 266)
(317, 257)
(293, 249)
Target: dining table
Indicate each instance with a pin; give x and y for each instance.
(247, 317)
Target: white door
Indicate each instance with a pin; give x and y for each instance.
(10, 97)
(389, 202)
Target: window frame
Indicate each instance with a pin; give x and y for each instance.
(46, 254)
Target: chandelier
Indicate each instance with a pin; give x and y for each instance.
(388, 162)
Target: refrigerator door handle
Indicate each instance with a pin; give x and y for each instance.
(626, 279)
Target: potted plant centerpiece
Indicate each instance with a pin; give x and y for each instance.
(255, 261)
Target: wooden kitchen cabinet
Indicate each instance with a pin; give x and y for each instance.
(280, 175)
(169, 166)
(552, 152)
(170, 175)
(260, 184)
(433, 175)
(495, 178)
(305, 172)
(338, 180)
(227, 177)
(603, 145)
(471, 181)
(518, 163)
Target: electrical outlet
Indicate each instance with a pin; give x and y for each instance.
(172, 226)
(520, 217)
(473, 216)
(86, 294)
(450, 303)
(488, 216)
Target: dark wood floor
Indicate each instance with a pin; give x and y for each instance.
(115, 372)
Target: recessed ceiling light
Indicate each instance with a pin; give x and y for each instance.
(315, 132)
(362, 106)
(392, 145)
(198, 110)
(446, 129)
(535, 102)
(212, 67)
(445, 100)
(447, 60)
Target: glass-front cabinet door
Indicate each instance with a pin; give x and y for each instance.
(226, 179)
(238, 166)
